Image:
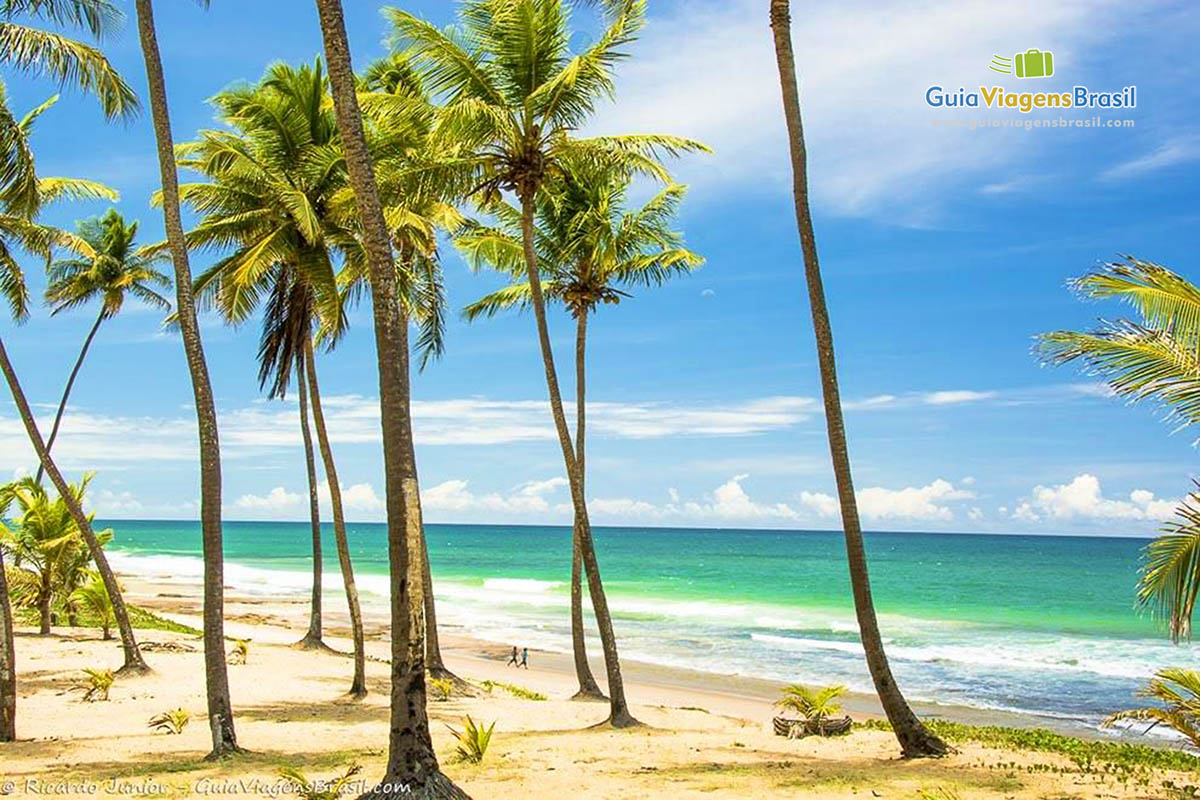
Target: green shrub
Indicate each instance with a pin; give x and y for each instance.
(318, 789)
(442, 688)
(473, 741)
(513, 689)
(99, 681)
(173, 721)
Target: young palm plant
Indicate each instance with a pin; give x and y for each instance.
(93, 597)
(590, 249)
(1156, 358)
(512, 94)
(412, 766)
(216, 672)
(814, 705)
(271, 176)
(108, 267)
(1178, 692)
(915, 739)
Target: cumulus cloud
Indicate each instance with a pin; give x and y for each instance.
(456, 496)
(1083, 498)
(910, 503)
(359, 500)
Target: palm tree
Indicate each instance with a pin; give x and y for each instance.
(418, 186)
(915, 739)
(815, 705)
(94, 597)
(8, 666)
(22, 196)
(49, 555)
(1178, 690)
(66, 61)
(412, 766)
(271, 177)
(216, 673)
(587, 247)
(513, 95)
(1156, 358)
(108, 267)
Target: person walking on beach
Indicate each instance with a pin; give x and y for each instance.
(524, 657)
(513, 658)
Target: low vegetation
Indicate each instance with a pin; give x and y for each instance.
(172, 722)
(318, 789)
(98, 683)
(240, 651)
(473, 741)
(814, 705)
(442, 688)
(516, 691)
(1082, 752)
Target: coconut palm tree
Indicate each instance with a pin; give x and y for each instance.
(92, 596)
(513, 94)
(412, 766)
(814, 704)
(271, 176)
(1178, 691)
(37, 52)
(1155, 358)
(47, 549)
(107, 267)
(8, 666)
(418, 188)
(588, 248)
(216, 672)
(22, 196)
(915, 739)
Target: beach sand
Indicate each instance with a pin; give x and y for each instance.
(704, 735)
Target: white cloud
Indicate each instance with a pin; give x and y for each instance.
(957, 396)
(707, 70)
(910, 503)
(359, 500)
(1083, 498)
(731, 502)
(1175, 151)
(527, 499)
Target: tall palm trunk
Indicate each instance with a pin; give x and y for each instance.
(588, 688)
(312, 639)
(358, 687)
(915, 740)
(619, 716)
(62, 404)
(216, 674)
(8, 664)
(412, 766)
(133, 656)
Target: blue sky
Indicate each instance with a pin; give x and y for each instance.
(945, 250)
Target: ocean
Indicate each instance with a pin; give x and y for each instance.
(1042, 625)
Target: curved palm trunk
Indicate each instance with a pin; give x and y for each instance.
(412, 766)
(358, 686)
(62, 404)
(312, 639)
(915, 740)
(216, 673)
(619, 716)
(588, 688)
(133, 656)
(8, 664)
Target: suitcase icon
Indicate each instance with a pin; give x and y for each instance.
(1033, 63)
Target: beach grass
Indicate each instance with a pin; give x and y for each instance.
(1087, 754)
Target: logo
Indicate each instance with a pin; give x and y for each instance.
(1033, 63)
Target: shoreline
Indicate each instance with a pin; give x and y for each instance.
(283, 618)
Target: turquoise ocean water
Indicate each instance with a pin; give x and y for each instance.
(1037, 624)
